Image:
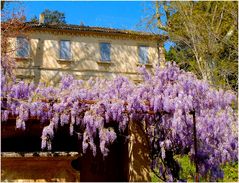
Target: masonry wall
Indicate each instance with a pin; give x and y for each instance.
(44, 63)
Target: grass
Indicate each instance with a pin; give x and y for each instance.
(231, 172)
(188, 169)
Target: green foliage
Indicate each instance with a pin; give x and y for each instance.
(52, 17)
(188, 171)
(230, 172)
(183, 57)
(154, 178)
(34, 19)
(206, 38)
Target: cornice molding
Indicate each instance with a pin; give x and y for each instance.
(159, 39)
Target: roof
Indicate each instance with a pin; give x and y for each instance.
(95, 30)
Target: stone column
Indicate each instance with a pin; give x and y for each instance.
(38, 59)
(139, 162)
(161, 54)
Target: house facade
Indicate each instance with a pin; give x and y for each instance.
(47, 52)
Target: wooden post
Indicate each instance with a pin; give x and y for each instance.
(195, 146)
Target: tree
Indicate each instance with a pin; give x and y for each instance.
(54, 17)
(12, 25)
(205, 36)
(34, 19)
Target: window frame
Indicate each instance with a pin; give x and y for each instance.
(140, 56)
(60, 48)
(20, 48)
(102, 59)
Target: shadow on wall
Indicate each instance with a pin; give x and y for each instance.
(38, 60)
(86, 63)
(29, 140)
(111, 168)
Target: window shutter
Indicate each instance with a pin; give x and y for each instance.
(65, 50)
(105, 51)
(143, 54)
(22, 47)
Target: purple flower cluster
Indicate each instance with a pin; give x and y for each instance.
(163, 102)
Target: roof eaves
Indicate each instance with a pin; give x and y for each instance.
(94, 29)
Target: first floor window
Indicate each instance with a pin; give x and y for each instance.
(143, 54)
(65, 50)
(22, 47)
(105, 51)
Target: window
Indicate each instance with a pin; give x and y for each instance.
(65, 50)
(143, 54)
(22, 47)
(105, 51)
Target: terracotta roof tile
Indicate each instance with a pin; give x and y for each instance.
(91, 29)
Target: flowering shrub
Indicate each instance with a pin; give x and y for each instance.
(181, 114)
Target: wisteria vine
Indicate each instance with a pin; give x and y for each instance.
(164, 102)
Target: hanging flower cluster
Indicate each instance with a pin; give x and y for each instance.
(164, 102)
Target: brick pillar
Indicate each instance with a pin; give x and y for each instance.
(139, 162)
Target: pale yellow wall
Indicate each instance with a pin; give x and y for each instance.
(45, 65)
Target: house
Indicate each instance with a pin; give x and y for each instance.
(49, 51)
(45, 53)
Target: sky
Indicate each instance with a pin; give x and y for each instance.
(129, 15)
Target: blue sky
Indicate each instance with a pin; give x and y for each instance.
(114, 14)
